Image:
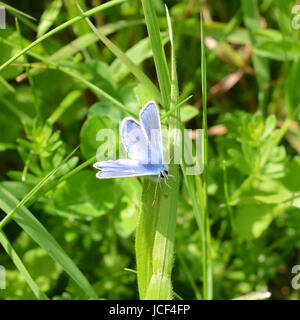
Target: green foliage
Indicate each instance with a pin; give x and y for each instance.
(231, 232)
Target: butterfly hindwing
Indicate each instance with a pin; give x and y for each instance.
(134, 140)
(123, 168)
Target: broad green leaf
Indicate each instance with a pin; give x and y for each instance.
(252, 220)
(128, 207)
(103, 109)
(91, 138)
(85, 196)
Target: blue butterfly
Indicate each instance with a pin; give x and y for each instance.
(143, 143)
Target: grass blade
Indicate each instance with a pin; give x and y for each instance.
(159, 56)
(16, 11)
(155, 234)
(20, 266)
(207, 268)
(59, 28)
(33, 191)
(39, 234)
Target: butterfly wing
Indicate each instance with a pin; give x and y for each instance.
(150, 120)
(122, 168)
(134, 140)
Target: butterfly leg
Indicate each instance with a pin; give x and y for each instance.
(155, 192)
(160, 187)
(165, 180)
(148, 185)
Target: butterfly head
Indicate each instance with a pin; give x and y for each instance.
(164, 174)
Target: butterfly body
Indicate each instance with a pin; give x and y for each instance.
(143, 143)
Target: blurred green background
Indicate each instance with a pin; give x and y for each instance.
(253, 68)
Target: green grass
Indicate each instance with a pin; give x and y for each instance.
(231, 69)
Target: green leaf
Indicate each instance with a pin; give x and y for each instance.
(16, 287)
(292, 199)
(287, 49)
(252, 220)
(100, 75)
(285, 16)
(88, 135)
(134, 69)
(159, 57)
(138, 53)
(104, 109)
(19, 189)
(155, 233)
(261, 65)
(82, 196)
(270, 126)
(292, 177)
(128, 207)
(49, 16)
(59, 28)
(16, 11)
(188, 113)
(38, 233)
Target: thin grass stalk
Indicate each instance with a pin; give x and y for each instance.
(20, 266)
(159, 56)
(197, 188)
(207, 265)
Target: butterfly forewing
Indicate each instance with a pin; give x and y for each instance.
(143, 143)
(150, 120)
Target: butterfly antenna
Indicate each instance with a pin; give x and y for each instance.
(148, 185)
